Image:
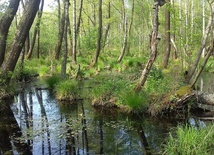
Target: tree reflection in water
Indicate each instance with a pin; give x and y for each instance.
(50, 128)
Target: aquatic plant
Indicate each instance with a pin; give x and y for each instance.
(52, 81)
(66, 90)
(190, 140)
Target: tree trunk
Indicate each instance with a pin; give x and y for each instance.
(64, 62)
(74, 33)
(108, 24)
(99, 37)
(21, 35)
(211, 49)
(36, 31)
(6, 20)
(61, 33)
(167, 36)
(192, 70)
(124, 41)
(153, 45)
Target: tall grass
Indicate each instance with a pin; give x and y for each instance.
(191, 141)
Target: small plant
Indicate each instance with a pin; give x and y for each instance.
(135, 102)
(52, 81)
(190, 140)
(66, 90)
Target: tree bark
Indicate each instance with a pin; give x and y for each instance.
(167, 36)
(99, 37)
(36, 31)
(21, 35)
(6, 21)
(153, 45)
(108, 24)
(64, 62)
(60, 34)
(74, 33)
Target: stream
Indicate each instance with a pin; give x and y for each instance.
(34, 122)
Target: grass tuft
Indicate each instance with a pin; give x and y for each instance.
(190, 140)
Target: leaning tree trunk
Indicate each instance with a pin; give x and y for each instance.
(21, 35)
(6, 20)
(153, 47)
(192, 70)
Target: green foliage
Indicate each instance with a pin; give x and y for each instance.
(44, 70)
(66, 89)
(136, 102)
(191, 141)
(52, 81)
(157, 83)
(210, 65)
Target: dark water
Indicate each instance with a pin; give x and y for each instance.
(35, 123)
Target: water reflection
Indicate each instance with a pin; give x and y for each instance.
(51, 128)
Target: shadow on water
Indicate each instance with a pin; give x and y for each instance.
(36, 122)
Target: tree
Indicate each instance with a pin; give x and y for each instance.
(74, 32)
(36, 32)
(21, 35)
(99, 36)
(64, 62)
(125, 28)
(61, 31)
(167, 36)
(191, 71)
(6, 21)
(153, 47)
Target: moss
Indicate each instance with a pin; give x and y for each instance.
(184, 90)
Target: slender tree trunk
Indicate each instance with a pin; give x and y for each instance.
(99, 37)
(6, 21)
(153, 45)
(203, 23)
(124, 41)
(21, 35)
(210, 28)
(108, 24)
(36, 31)
(79, 17)
(130, 28)
(74, 33)
(167, 36)
(64, 62)
(211, 49)
(61, 32)
(192, 70)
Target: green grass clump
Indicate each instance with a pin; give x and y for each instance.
(66, 90)
(191, 141)
(135, 102)
(52, 81)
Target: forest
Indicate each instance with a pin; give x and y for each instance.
(135, 57)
